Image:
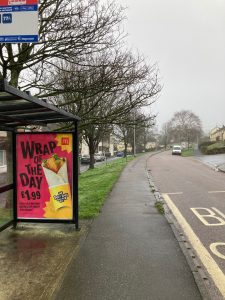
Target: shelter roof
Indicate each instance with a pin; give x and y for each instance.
(19, 108)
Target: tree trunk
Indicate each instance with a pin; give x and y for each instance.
(91, 152)
(15, 72)
(165, 142)
(125, 149)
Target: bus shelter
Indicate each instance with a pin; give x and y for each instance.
(38, 170)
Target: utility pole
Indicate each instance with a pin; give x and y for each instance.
(134, 136)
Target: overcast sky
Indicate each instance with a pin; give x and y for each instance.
(187, 40)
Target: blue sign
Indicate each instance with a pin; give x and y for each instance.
(7, 18)
(18, 38)
(19, 23)
(18, 8)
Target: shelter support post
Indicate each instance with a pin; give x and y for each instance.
(75, 177)
(14, 179)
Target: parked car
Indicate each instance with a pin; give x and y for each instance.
(85, 159)
(120, 154)
(176, 150)
(99, 157)
(107, 154)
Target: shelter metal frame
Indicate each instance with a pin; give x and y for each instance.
(19, 109)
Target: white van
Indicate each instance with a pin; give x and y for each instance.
(176, 150)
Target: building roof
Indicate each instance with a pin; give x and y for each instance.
(19, 108)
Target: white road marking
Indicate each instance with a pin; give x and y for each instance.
(216, 192)
(205, 214)
(175, 193)
(213, 248)
(206, 259)
(219, 212)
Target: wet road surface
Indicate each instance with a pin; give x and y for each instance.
(196, 195)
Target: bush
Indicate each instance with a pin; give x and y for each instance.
(203, 146)
(216, 148)
(150, 150)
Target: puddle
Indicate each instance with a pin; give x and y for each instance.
(33, 259)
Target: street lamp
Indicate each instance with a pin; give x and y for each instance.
(134, 136)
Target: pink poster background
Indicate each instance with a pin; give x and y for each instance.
(31, 181)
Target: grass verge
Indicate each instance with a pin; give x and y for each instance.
(96, 184)
(187, 152)
(5, 215)
(159, 206)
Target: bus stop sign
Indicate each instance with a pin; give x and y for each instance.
(18, 21)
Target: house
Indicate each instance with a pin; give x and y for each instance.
(106, 146)
(151, 146)
(217, 134)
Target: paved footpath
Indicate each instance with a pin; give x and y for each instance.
(130, 251)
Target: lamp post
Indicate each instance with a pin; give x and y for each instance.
(134, 136)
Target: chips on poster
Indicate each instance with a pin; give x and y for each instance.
(44, 176)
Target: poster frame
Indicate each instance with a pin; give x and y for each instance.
(74, 219)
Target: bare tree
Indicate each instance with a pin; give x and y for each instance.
(92, 135)
(114, 74)
(186, 126)
(68, 30)
(106, 91)
(134, 130)
(166, 133)
(79, 65)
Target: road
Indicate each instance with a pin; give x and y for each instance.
(195, 194)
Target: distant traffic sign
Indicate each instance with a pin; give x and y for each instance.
(18, 21)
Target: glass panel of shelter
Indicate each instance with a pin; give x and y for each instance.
(6, 177)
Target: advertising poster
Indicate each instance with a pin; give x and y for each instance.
(18, 21)
(44, 176)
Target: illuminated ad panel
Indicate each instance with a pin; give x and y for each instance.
(18, 21)
(44, 176)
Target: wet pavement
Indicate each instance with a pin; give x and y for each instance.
(216, 161)
(34, 257)
(130, 252)
(221, 167)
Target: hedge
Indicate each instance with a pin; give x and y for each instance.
(215, 148)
